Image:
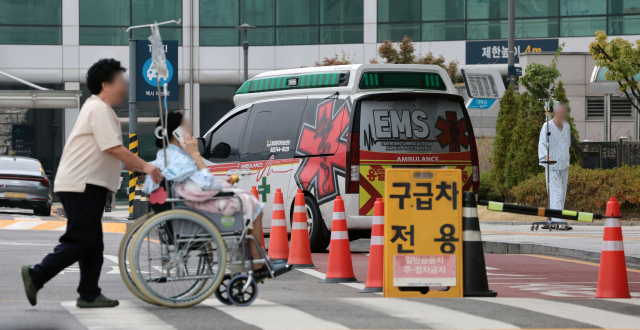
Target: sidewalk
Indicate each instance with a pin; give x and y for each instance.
(120, 213)
(583, 242)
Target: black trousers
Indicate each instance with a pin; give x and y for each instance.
(82, 242)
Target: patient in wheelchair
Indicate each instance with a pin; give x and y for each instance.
(192, 180)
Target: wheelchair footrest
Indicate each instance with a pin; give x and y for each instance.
(280, 268)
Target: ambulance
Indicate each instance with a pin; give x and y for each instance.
(333, 131)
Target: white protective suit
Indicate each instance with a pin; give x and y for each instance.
(559, 145)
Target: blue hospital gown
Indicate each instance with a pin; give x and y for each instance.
(559, 145)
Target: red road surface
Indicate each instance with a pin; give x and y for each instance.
(527, 276)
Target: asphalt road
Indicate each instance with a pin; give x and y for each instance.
(297, 301)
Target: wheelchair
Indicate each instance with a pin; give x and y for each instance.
(177, 256)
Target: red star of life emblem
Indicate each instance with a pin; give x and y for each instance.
(453, 132)
(323, 139)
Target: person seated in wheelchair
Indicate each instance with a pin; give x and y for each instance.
(192, 180)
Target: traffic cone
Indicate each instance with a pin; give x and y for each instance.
(300, 249)
(612, 277)
(376, 250)
(254, 191)
(474, 268)
(279, 240)
(340, 266)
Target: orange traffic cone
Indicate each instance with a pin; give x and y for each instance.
(340, 265)
(278, 240)
(612, 277)
(254, 191)
(376, 250)
(300, 250)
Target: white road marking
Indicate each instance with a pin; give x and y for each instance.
(269, 315)
(322, 276)
(63, 228)
(430, 315)
(21, 243)
(23, 225)
(126, 316)
(583, 314)
(491, 268)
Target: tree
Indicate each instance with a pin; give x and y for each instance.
(622, 60)
(504, 129)
(405, 54)
(539, 78)
(345, 59)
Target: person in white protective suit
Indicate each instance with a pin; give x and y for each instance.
(559, 145)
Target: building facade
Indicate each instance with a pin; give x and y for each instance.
(54, 42)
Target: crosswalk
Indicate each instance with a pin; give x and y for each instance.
(370, 312)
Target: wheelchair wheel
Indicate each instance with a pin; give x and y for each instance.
(234, 291)
(177, 259)
(123, 257)
(221, 292)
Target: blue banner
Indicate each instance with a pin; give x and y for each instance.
(147, 76)
(481, 103)
(496, 51)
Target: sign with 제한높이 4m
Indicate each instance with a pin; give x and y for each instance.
(423, 233)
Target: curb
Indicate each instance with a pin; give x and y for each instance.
(528, 248)
(523, 223)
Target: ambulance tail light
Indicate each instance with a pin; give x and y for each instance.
(353, 163)
(475, 165)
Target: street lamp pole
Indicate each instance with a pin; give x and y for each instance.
(245, 46)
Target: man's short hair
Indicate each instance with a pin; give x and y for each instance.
(559, 105)
(102, 71)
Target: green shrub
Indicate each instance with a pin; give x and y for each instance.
(504, 128)
(487, 191)
(588, 190)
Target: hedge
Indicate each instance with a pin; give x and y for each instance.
(588, 190)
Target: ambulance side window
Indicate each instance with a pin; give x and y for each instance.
(230, 133)
(273, 127)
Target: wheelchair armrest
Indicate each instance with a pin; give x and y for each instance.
(225, 194)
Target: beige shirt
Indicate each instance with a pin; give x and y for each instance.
(84, 160)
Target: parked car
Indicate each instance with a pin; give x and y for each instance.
(332, 131)
(25, 184)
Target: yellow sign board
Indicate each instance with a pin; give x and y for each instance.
(423, 233)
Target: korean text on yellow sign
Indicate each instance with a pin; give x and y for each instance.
(423, 233)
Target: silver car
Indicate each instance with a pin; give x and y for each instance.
(24, 184)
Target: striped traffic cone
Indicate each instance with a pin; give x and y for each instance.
(254, 191)
(300, 250)
(278, 240)
(612, 277)
(474, 268)
(340, 266)
(376, 250)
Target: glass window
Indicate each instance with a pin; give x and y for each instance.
(168, 33)
(341, 34)
(259, 132)
(536, 8)
(619, 25)
(624, 7)
(536, 28)
(149, 11)
(103, 36)
(582, 26)
(479, 30)
(304, 35)
(398, 11)
(582, 7)
(296, 12)
(341, 11)
(219, 37)
(30, 12)
(440, 10)
(105, 13)
(483, 9)
(257, 12)
(230, 133)
(219, 13)
(443, 31)
(31, 22)
(263, 36)
(397, 31)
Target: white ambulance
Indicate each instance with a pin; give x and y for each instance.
(334, 130)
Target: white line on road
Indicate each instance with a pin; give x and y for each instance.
(21, 243)
(322, 276)
(435, 317)
(126, 316)
(23, 225)
(578, 313)
(269, 315)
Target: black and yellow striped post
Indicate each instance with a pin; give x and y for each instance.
(133, 176)
(541, 211)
